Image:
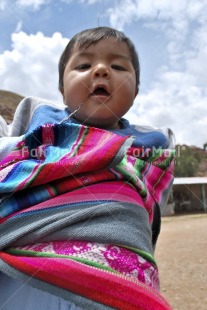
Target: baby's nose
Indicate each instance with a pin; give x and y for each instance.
(101, 70)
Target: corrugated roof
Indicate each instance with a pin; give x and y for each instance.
(194, 180)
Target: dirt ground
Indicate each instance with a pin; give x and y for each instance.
(181, 255)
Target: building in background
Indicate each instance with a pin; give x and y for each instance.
(189, 195)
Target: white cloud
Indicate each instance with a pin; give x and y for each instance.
(35, 4)
(18, 26)
(178, 97)
(175, 101)
(24, 4)
(155, 9)
(173, 18)
(196, 62)
(2, 4)
(122, 14)
(90, 1)
(31, 67)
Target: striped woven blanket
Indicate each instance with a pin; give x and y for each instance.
(70, 182)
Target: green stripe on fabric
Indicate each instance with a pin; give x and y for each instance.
(164, 162)
(52, 255)
(142, 253)
(79, 142)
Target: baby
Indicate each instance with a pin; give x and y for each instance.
(82, 189)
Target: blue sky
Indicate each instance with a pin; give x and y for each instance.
(170, 37)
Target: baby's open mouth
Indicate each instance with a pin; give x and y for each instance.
(100, 91)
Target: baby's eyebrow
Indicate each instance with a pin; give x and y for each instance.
(111, 55)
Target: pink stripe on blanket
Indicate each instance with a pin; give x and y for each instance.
(105, 191)
(107, 288)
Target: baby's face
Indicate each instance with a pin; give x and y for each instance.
(102, 79)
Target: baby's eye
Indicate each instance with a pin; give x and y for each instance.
(83, 67)
(118, 67)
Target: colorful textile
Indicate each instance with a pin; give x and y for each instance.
(66, 183)
(51, 153)
(105, 256)
(57, 158)
(113, 290)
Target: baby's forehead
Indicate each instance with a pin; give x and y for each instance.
(105, 44)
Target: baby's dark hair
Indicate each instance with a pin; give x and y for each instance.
(87, 37)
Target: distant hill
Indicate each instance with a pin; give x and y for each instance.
(201, 155)
(191, 161)
(8, 104)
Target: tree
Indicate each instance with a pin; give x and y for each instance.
(187, 162)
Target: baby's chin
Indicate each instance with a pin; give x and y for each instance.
(97, 123)
(103, 125)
